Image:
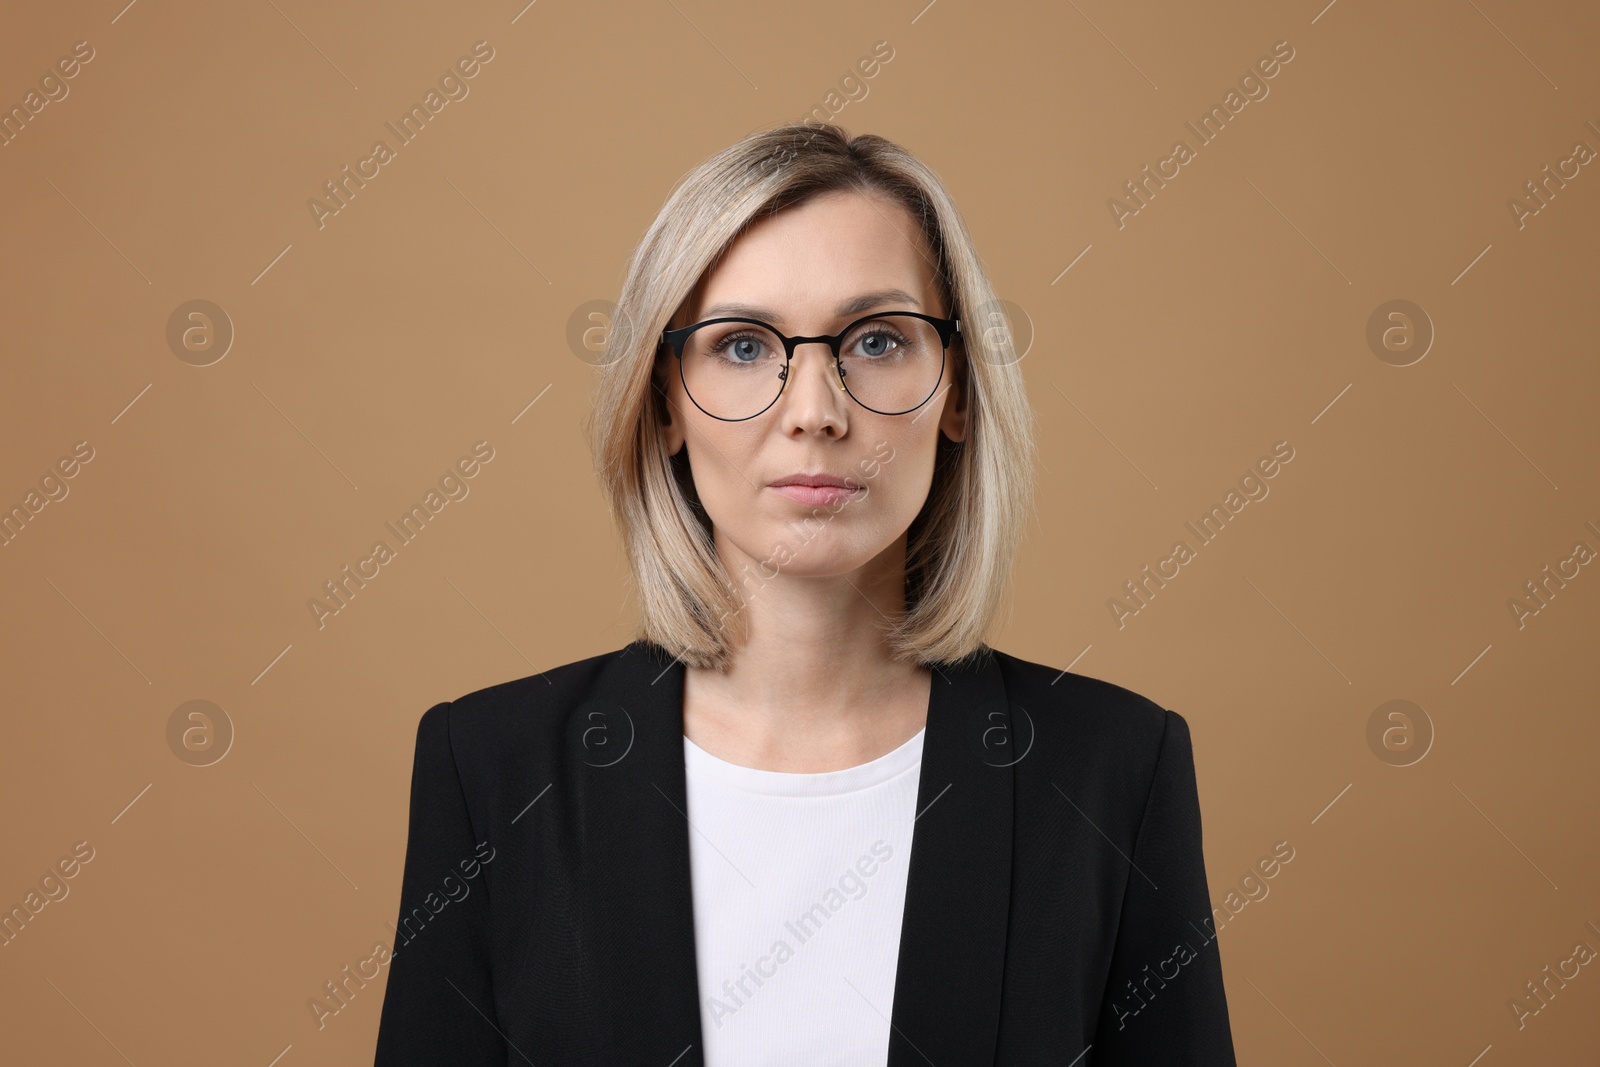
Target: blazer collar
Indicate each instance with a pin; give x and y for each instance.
(635, 854)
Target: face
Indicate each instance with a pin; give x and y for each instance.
(799, 267)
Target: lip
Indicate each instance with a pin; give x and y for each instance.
(814, 489)
(816, 494)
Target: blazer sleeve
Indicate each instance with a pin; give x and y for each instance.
(1164, 999)
(439, 1004)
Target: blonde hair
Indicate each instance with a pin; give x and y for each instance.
(960, 545)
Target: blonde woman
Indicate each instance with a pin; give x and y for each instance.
(808, 816)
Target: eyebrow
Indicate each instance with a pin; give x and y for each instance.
(854, 306)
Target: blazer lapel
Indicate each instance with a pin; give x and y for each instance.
(958, 893)
(635, 880)
(633, 888)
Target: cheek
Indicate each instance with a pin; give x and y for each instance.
(899, 468)
(722, 461)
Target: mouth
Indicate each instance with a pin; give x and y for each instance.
(804, 493)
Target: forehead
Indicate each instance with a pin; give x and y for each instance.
(810, 264)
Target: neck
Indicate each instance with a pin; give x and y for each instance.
(812, 686)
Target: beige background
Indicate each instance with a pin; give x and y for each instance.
(369, 354)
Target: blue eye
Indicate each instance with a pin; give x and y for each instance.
(741, 347)
(879, 341)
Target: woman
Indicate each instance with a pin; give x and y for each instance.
(808, 816)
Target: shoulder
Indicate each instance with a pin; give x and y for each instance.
(1080, 718)
(496, 714)
(1090, 703)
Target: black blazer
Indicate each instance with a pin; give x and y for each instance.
(1056, 901)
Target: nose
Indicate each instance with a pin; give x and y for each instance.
(817, 398)
(824, 359)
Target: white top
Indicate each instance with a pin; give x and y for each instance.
(799, 885)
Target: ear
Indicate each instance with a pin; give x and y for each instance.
(662, 381)
(953, 419)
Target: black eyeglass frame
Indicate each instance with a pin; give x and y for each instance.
(947, 328)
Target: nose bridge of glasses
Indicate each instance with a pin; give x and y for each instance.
(828, 343)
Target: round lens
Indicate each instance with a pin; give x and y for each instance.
(892, 363)
(733, 370)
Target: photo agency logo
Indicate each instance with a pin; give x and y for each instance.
(199, 732)
(1254, 89)
(602, 734)
(598, 332)
(53, 89)
(1007, 737)
(340, 591)
(452, 86)
(851, 885)
(1252, 484)
(1399, 332)
(1399, 732)
(1004, 332)
(199, 332)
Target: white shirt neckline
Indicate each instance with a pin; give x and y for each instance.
(902, 760)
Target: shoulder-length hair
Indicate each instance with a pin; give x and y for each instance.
(960, 545)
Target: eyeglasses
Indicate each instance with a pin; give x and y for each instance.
(734, 369)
